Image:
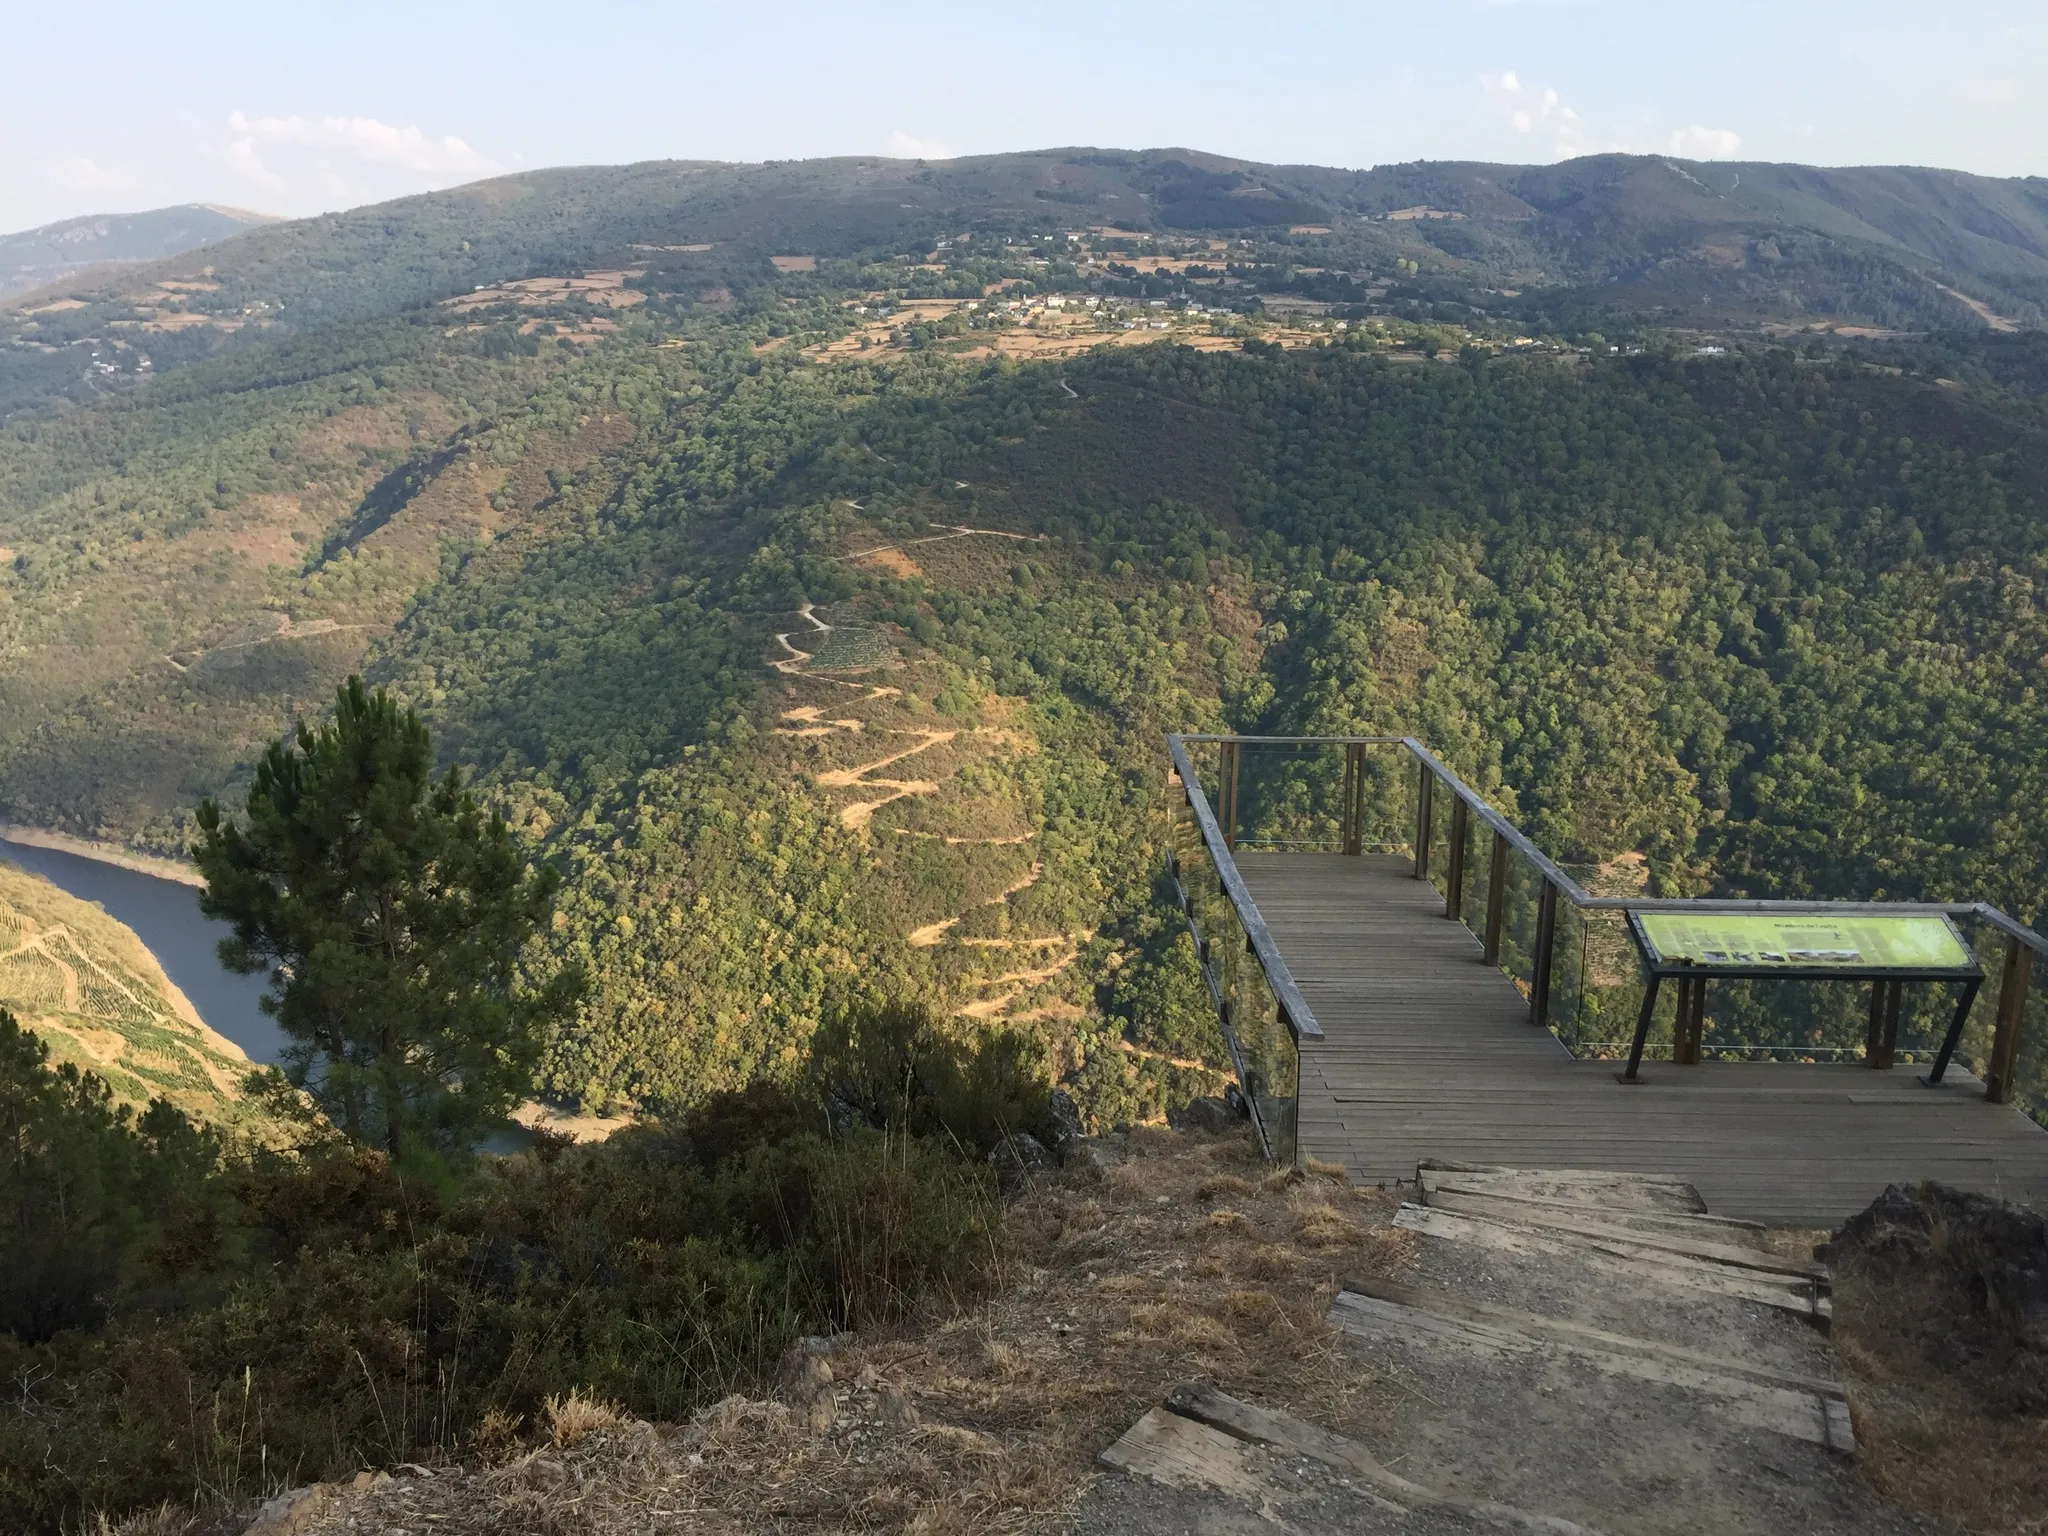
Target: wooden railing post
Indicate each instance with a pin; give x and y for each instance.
(1691, 1023)
(1496, 898)
(1546, 935)
(1226, 791)
(1454, 874)
(1882, 1038)
(2012, 1003)
(1424, 793)
(1354, 797)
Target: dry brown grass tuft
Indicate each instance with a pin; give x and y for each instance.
(987, 1420)
(165, 1520)
(575, 1418)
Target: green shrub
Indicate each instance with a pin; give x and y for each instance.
(890, 1065)
(259, 1318)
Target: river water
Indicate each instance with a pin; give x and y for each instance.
(166, 917)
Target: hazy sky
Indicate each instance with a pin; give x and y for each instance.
(300, 106)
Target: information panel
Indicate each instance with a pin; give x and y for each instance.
(1752, 941)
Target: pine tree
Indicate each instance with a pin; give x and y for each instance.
(393, 915)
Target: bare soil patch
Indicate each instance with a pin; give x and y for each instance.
(794, 263)
(891, 560)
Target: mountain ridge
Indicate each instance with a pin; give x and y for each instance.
(32, 259)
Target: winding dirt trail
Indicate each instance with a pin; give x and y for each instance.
(859, 813)
(956, 531)
(931, 933)
(797, 658)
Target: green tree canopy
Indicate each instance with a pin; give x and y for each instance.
(392, 914)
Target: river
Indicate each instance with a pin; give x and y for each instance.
(165, 916)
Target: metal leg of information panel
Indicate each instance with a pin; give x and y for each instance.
(1955, 1032)
(1635, 1050)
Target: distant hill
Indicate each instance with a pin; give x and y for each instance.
(1551, 248)
(35, 258)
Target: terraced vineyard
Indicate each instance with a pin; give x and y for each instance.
(85, 984)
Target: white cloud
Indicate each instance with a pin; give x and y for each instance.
(1540, 114)
(367, 140)
(1698, 143)
(243, 157)
(905, 147)
(77, 173)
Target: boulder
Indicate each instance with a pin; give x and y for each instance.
(1063, 1118)
(1017, 1160)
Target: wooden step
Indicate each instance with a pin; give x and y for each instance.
(1203, 1439)
(1647, 1193)
(1568, 1333)
(1702, 1223)
(1795, 1412)
(1624, 1257)
(1710, 1245)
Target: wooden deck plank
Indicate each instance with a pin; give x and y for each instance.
(1428, 1052)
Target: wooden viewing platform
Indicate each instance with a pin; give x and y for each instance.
(1426, 1051)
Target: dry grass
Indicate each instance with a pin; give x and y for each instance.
(1189, 1258)
(1936, 1429)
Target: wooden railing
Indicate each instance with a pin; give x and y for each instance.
(1519, 875)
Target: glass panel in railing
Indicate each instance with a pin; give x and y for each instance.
(1987, 943)
(1386, 800)
(1290, 796)
(1478, 863)
(1199, 882)
(2030, 1076)
(1271, 1060)
(1796, 1021)
(1568, 957)
(1521, 899)
(1442, 802)
(1610, 986)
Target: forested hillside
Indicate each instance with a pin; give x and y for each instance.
(820, 616)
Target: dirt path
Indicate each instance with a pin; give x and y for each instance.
(931, 933)
(1980, 309)
(959, 842)
(957, 531)
(859, 813)
(1183, 1062)
(797, 658)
